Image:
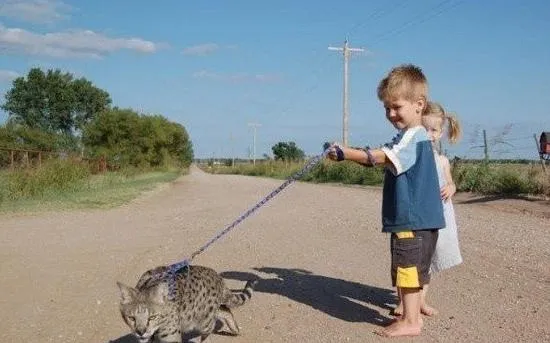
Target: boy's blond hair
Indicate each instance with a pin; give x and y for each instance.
(454, 131)
(406, 81)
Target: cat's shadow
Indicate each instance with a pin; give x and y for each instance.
(125, 339)
(132, 339)
(342, 299)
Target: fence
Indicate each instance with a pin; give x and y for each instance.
(16, 158)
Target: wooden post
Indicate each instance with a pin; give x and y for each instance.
(39, 159)
(11, 163)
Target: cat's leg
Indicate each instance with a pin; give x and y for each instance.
(208, 327)
(225, 316)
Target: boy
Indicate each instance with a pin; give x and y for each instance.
(411, 204)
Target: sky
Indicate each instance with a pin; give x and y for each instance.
(218, 66)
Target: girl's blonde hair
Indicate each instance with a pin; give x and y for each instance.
(454, 130)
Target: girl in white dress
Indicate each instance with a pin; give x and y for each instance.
(447, 250)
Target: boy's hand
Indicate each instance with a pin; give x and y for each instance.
(448, 191)
(335, 152)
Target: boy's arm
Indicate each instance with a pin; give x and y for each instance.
(450, 188)
(362, 157)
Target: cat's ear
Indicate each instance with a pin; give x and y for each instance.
(159, 293)
(127, 294)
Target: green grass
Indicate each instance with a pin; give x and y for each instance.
(42, 190)
(483, 178)
(344, 172)
(501, 178)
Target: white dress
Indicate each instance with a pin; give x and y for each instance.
(447, 250)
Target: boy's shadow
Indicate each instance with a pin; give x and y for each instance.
(338, 298)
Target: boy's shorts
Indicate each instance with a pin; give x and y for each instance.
(411, 256)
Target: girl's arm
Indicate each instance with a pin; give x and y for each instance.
(449, 189)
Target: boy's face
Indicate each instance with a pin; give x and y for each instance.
(403, 113)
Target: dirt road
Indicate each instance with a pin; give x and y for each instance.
(318, 250)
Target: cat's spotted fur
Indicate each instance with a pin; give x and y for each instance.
(200, 299)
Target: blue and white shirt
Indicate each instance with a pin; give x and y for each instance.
(411, 196)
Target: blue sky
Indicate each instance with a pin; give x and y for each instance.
(215, 66)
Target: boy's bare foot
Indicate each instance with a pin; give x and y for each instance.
(401, 328)
(428, 311)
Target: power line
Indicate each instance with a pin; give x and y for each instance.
(422, 18)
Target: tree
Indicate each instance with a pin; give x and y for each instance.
(13, 135)
(126, 138)
(54, 101)
(287, 151)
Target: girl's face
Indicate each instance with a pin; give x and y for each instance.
(434, 127)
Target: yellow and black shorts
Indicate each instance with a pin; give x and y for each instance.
(411, 256)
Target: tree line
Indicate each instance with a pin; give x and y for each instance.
(54, 111)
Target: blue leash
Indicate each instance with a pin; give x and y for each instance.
(174, 268)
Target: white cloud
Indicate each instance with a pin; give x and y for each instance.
(237, 77)
(201, 50)
(35, 11)
(75, 43)
(7, 75)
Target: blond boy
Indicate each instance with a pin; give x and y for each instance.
(411, 205)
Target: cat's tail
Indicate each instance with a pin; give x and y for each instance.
(239, 298)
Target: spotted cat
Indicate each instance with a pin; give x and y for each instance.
(198, 300)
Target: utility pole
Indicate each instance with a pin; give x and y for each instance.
(485, 147)
(232, 149)
(346, 51)
(254, 127)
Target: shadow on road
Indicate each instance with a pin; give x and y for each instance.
(345, 300)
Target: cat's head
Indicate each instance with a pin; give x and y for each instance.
(143, 310)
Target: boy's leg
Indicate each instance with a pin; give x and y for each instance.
(410, 324)
(406, 275)
(425, 309)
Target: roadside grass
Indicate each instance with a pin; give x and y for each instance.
(488, 178)
(66, 186)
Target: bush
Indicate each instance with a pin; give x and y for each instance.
(495, 178)
(344, 172)
(53, 176)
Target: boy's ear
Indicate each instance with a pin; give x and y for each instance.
(421, 104)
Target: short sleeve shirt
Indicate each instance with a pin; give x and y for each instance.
(411, 196)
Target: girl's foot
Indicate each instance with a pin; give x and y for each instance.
(425, 310)
(428, 311)
(397, 312)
